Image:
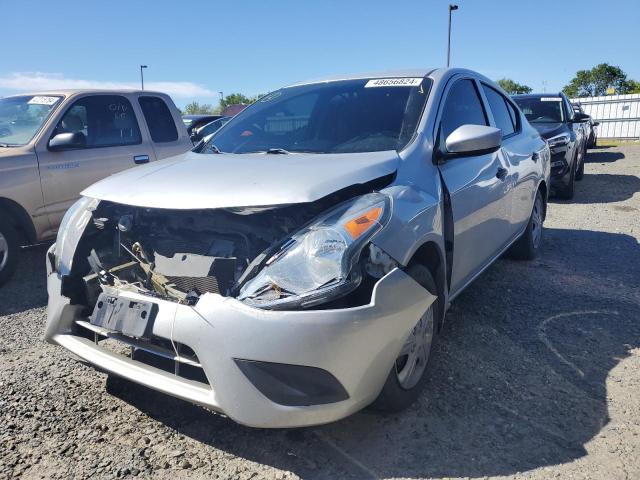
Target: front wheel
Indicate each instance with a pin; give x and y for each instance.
(580, 170)
(407, 376)
(568, 191)
(9, 250)
(528, 245)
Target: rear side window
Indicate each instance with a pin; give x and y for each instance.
(500, 110)
(104, 120)
(159, 119)
(462, 107)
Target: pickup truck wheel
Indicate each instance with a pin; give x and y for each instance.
(528, 245)
(9, 250)
(407, 376)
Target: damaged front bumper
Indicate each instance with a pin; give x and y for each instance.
(349, 350)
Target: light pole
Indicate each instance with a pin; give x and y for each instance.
(142, 76)
(451, 9)
(221, 98)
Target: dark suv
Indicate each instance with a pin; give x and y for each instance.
(554, 118)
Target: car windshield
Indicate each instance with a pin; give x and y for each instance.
(22, 116)
(347, 116)
(541, 109)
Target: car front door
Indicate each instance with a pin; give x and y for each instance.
(477, 187)
(113, 142)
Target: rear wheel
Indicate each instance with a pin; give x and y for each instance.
(528, 245)
(9, 250)
(407, 376)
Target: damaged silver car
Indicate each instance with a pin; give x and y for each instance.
(298, 268)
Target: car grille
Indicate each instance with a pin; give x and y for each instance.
(155, 352)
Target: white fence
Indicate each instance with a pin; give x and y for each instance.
(619, 115)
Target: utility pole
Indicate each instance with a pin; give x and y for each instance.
(142, 76)
(451, 9)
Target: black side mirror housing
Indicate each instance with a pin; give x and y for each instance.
(580, 117)
(67, 141)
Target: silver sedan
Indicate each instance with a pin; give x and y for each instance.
(299, 267)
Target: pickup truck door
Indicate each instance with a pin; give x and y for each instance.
(114, 142)
(477, 188)
(168, 134)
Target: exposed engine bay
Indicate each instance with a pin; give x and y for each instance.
(180, 255)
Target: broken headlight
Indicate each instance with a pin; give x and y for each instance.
(69, 233)
(317, 263)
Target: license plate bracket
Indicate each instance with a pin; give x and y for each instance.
(125, 315)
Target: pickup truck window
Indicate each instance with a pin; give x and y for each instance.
(159, 119)
(22, 116)
(104, 120)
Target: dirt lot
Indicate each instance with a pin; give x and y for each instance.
(537, 375)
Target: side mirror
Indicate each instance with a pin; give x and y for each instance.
(580, 117)
(595, 124)
(67, 141)
(473, 140)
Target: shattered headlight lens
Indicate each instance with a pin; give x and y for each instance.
(70, 231)
(316, 264)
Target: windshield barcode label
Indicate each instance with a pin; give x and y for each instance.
(550, 99)
(394, 82)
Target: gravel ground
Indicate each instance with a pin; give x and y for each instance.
(537, 375)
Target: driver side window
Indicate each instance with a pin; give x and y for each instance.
(462, 107)
(104, 120)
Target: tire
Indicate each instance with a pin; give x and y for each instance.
(580, 171)
(528, 245)
(567, 192)
(402, 387)
(9, 250)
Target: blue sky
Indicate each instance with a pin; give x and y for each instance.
(194, 49)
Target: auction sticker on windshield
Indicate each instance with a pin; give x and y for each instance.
(393, 82)
(550, 99)
(41, 100)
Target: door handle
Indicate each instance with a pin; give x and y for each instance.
(501, 173)
(535, 156)
(139, 159)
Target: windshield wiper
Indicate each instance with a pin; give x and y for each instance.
(277, 151)
(7, 145)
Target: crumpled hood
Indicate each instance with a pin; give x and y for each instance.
(195, 181)
(548, 130)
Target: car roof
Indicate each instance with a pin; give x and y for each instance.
(69, 91)
(537, 95)
(419, 72)
(201, 115)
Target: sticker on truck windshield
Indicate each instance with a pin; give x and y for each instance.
(393, 82)
(550, 99)
(41, 100)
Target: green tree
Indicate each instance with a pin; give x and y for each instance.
(195, 108)
(597, 81)
(634, 86)
(235, 99)
(512, 87)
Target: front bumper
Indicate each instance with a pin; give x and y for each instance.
(358, 346)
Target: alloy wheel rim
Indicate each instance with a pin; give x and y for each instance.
(413, 358)
(4, 251)
(536, 222)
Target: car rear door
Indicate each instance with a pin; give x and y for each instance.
(168, 134)
(476, 185)
(114, 142)
(520, 155)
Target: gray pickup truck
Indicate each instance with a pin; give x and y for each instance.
(55, 144)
